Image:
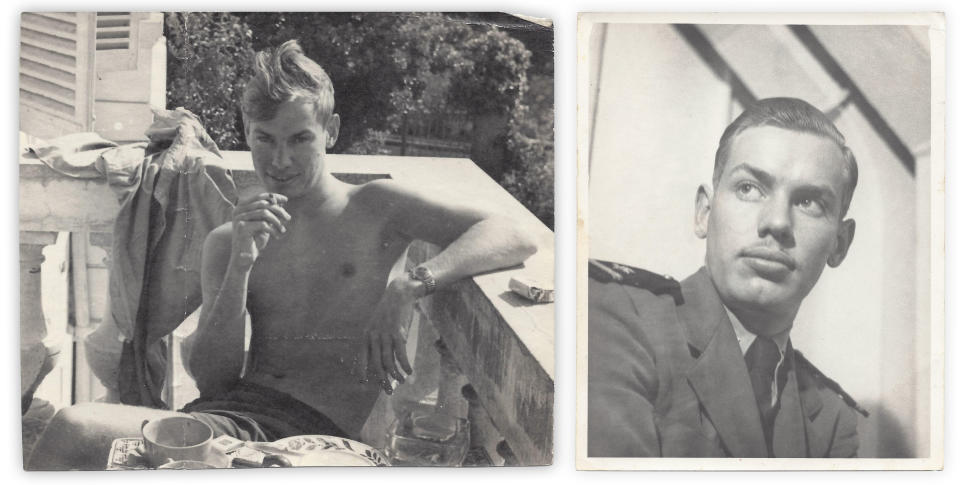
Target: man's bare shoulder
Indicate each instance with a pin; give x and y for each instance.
(417, 212)
(388, 196)
(385, 198)
(375, 194)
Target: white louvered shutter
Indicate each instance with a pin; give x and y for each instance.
(113, 31)
(56, 73)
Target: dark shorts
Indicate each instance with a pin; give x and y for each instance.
(257, 413)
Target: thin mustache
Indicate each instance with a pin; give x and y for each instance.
(763, 252)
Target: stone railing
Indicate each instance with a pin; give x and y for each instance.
(495, 349)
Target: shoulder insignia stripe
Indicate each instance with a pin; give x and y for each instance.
(829, 383)
(602, 273)
(606, 272)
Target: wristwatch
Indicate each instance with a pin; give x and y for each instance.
(421, 273)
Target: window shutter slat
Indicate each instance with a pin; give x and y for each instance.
(55, 67)
(113, 31)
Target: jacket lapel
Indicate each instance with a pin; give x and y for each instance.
(818, 431)
(719, 376)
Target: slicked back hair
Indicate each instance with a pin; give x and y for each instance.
(789, 114)
(284, 74)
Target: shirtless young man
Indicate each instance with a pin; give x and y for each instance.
(309, 259)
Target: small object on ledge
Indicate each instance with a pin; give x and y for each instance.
(226, 444)
(532, 290)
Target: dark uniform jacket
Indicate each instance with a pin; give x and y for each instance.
(666, 377)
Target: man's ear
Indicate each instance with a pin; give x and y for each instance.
(246, 130)
(844, 239)
(333, 129)
(701, 217)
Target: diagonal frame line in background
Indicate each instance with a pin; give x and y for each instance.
(709, 54)
(876, 120)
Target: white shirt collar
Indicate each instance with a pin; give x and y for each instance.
(745, 337)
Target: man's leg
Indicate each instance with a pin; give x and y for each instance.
(79, 437)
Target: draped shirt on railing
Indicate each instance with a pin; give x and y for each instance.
(169, 201)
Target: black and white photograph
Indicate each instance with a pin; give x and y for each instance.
(256, 240)
(760, 245)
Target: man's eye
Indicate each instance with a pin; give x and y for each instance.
(264, 139)
(812, 206)
(748, 191)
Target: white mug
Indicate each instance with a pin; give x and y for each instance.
(176, 438)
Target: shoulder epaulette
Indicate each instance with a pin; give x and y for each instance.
(829, 383)
(609, 272)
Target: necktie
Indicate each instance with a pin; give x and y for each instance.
(762, 358)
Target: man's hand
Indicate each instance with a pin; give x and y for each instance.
(255, 219)
(229, 253)
(386, 339)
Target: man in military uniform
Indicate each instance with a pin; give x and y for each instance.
(705, 367)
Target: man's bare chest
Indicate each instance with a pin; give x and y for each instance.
(320, 275)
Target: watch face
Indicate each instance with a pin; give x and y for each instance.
(422, 273)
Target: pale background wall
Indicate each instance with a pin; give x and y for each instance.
(659, 113)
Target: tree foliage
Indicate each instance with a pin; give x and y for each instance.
(384, 67)
(530, 151)
(199, 79)
(490, 74)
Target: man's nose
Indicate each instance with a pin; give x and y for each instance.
(776, 221)
(281, 157)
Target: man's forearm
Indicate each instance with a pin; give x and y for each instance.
(486, 245)
(493, 243)
(217, 353)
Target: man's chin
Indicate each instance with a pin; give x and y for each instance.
(285, 190)
(284, 187)
(763, 295)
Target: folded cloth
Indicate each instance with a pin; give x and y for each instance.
(90, 156)
(157, 243)
(252, 412)
(170, 199)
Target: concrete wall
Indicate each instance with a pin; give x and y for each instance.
(131, 80)
(660, 113)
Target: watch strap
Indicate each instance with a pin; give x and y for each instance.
(421, 273)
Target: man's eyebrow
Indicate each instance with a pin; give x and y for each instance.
(762, 176)
(817, 190)
(301, 133)
(261, 132)
(821, 191)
